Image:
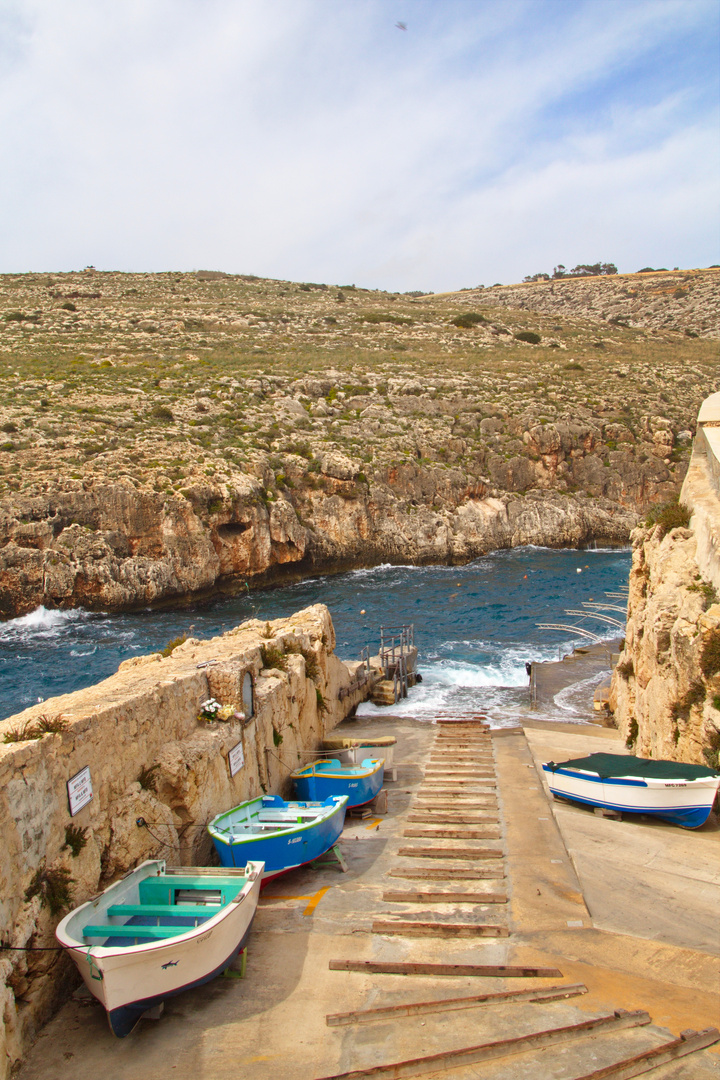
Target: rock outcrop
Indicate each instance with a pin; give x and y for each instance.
(665, 691)
(150, 756)
(113, 547)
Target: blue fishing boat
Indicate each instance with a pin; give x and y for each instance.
(137, 943)
(321, 779)
(283, 835)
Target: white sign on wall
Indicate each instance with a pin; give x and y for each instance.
(79, 789)
(236, 758)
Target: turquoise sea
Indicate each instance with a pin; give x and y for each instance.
(475, 626)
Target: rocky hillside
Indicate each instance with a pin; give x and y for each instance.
(171, 434)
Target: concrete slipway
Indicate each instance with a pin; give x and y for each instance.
(629, 909)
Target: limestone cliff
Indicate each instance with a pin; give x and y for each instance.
(113, 546)
(150, 756)
(666, 686)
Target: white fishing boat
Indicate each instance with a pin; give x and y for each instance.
(159, 931)
(671, 790)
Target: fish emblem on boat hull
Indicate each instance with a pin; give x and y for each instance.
(170, 963)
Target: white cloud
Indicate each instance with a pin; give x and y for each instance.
(315, 141)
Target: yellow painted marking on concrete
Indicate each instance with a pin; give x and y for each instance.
(269, 899)
(316, 900)
(374, 824)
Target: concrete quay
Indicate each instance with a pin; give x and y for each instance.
(627, 909)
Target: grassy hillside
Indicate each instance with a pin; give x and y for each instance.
(151, 375)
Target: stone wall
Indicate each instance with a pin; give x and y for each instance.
(701, 490)
(151, 757)
(665, 693)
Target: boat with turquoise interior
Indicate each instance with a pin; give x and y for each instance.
(320, 779)
(671, 790)
(159, 931)
(284, 835)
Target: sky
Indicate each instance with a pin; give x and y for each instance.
(393, 144)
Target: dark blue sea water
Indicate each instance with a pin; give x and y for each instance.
(475, 627)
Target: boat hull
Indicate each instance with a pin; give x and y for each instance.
(160, 970)
(320, 782)
(684, 802)
(284, 851)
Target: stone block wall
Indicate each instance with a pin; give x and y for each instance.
(149, 757)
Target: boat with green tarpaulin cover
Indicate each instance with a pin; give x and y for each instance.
(672, 790)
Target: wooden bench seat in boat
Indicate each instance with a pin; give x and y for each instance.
(159, 910)
(157, 932)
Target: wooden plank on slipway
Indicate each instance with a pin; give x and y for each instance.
(688, 1043)
(421, 1008)
(413, 967)
(450, 853)
(470, 1055)
(428, 817)
(448, 873)
(442, 785)
(410, 928)
(404, 896)
(465, 833)
(442, 803)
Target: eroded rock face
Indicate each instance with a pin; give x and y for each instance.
(662, 701)
(114, 546)
(151, 757)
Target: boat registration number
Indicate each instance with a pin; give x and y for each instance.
(675, 785)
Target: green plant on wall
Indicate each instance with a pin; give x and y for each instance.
(75, 839)
(54, 887)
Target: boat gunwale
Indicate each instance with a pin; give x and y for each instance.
(346, 772)
(227, 837)
(103, 951)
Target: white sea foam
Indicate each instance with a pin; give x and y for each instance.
(577, 693)
(41, 622)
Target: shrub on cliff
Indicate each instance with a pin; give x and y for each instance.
(671, 515)
(529, 336)
(273, 657)
(710, 656)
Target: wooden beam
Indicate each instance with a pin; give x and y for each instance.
(402, 896)
(409, 967)
(450, 853)
(448, 873)
(447, 785)
(688, 1043)
(421, 1008)
(440, 818)
(410, 928)
(455, 834)
(446, 805)
(463, 772)
(470, 1055)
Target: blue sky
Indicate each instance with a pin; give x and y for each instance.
(313, 140)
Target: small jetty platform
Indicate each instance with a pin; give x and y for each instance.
(396, 664)
(474, 928)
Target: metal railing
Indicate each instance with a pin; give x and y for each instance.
(395, 643)
(400, 679)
